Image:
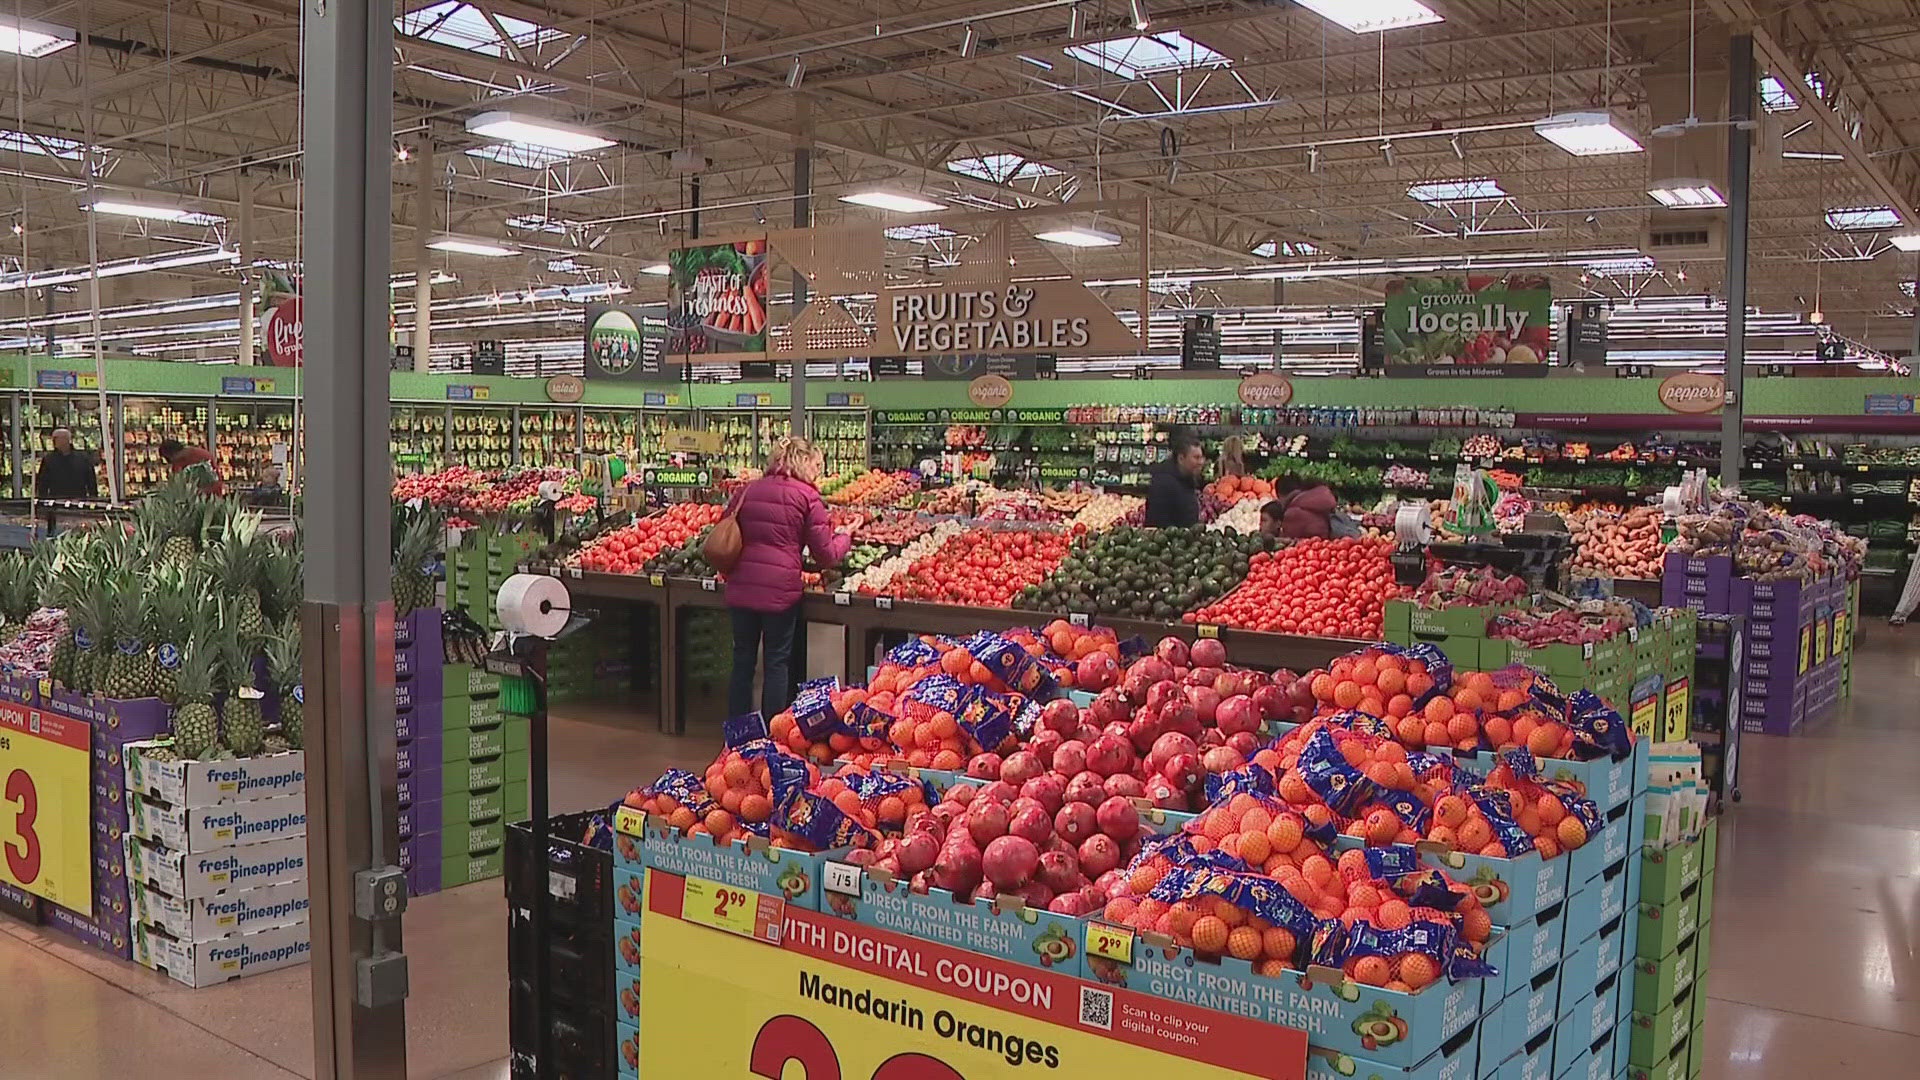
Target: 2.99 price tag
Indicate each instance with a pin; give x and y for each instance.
(1112, 942)
(737, 911)
(45, 808)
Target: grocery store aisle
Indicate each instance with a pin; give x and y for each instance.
(1815, 933)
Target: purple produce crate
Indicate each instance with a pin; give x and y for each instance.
(1773, 715)
(420, 817)
(21, 691)
(419, 754)
(113, 719)
(422, 850)
(20, 904)
(423, 879)
(104, 932)
(1696, 582)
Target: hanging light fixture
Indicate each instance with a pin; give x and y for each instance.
(1458, 151)
(796, 73)
(1076, 24)
(969, 41)
(1313, 159)
(1138, 10)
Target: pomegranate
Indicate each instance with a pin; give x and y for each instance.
(1126, 784)
(1076, 821)
(1086, 788)
(984, 767)
(1060, 872)
(1237, 713)
(1166, 748)
(1221, 759)
(1060, 715)
(1208, 652)
(1109, 706)
(1109, 755)
(1071, 758)
(987, 820)
(1204, 700)
(917, 853)
(1118, 818)
(1047, 789)
(1010, 861)
(1098, 854)
(1172, 650)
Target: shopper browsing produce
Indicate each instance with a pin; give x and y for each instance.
(1306, 508)
(1173, 494)
(65, 473)
(180, 458)
(781, 517)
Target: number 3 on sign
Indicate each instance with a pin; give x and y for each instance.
(23, 852)
(789, 1038)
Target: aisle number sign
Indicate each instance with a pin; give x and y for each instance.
(46, 815)
(836, 1000)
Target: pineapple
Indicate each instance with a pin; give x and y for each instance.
(240, 717)
(85, 617)
(235, 565)
(412, 580)
(127, 675)
(174, 598)
(196, 729)
(280, 581)
(283, 672)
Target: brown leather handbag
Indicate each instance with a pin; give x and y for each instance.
(722, 546)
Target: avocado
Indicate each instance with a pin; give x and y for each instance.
(1344, 1065)
(1348, 990)
(1383, 1032)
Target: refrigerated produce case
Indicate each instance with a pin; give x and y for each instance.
(245, 434)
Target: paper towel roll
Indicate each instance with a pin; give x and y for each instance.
(1412, 525)
(533, 604)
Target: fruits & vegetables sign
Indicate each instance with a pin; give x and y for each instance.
(719, 307)
(1468, 325)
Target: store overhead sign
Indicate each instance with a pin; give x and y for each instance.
(1693, 392)
(566, 389)
(1199, 344)
(1266, 391)
(1468, 326)
(1587, 332)
(719, 305)
(286, 330)
(1888, 405)
(244, 384)
(616, 346)
(990, 391)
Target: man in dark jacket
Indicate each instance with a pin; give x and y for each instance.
(1173, 492)
(65, 473)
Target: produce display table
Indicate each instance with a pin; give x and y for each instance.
(868, 619)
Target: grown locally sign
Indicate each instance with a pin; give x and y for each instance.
(1472, 325)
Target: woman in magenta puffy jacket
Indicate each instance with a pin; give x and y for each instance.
(781, 518)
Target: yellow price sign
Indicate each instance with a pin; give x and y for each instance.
(1112, 942)
(1207, 630)
(630, 821)
(735, 910)
(1839, 631)
(46, 812)
(1680, 705)
(658, 581)
(1643, 716)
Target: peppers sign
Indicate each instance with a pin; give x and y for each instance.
(285, 329)
(1693, 392)
(1266, 390)
(1468, 325)
(990, 391)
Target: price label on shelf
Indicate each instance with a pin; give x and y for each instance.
(658, 581)
(1861, 468)
(1633, 634)
(1111, 942)
(737, 911)
(707, 584)
(575, 573)
(884, 603)
(46, 805)
(1206, 630)
(1077, 618)
(839, 877)
(1799, 466)
(841, 599)
(553, 571)
(1858, 501)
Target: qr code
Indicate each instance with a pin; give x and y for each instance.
(1096, 1008)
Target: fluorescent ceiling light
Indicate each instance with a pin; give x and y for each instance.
(890, 200)
(658, 269)
(1862, 218)
(1812, 155)
(1586, 134)
(1905, 241)
(522, 130)
(463, 246)
(1145, 57)
(28, 37)
(151, 212)
(1079, 237)
(567, 265)
(539, 223)
(1686, 194)
(1372, 16)
(406, 281)
(523, 157)
(120, 268)
(1775, 97)
(1440, 191)
(1621, 267)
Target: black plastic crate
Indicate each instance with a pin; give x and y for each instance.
(581, 1046)
(579, 970)
(578, 879)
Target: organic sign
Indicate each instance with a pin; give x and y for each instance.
(285, 334)
(720, 299)
(1266, 391)
(1468, 326)
(990, 391)
(1693, 392)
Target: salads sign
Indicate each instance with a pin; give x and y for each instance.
(1468, 326)
(719, 306)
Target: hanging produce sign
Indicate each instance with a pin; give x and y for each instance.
(616, 346)
(970, 367)
(46, 815)
(1468, 326)
(566, 389)
(1693, 392)
(1200, 344)
(285, 334)
(1587, 332)
(719, 306)
(1266, 391)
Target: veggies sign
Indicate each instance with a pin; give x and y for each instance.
(720, 300)
(1466, 326)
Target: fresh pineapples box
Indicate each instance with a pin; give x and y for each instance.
(205, 963)
(153, 768)
(203, 828)
(201, 874)
(237, 911)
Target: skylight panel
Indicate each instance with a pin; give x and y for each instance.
(1148, 55)
(463, 26)
(1775, 97)
(524, 157)
(24, 142)
(922, 233)
(1862, 218)
(1442, 191)
(1000, 168)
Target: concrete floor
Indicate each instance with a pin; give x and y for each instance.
(1815, 963)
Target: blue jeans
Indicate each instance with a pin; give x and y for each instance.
(753, 633)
